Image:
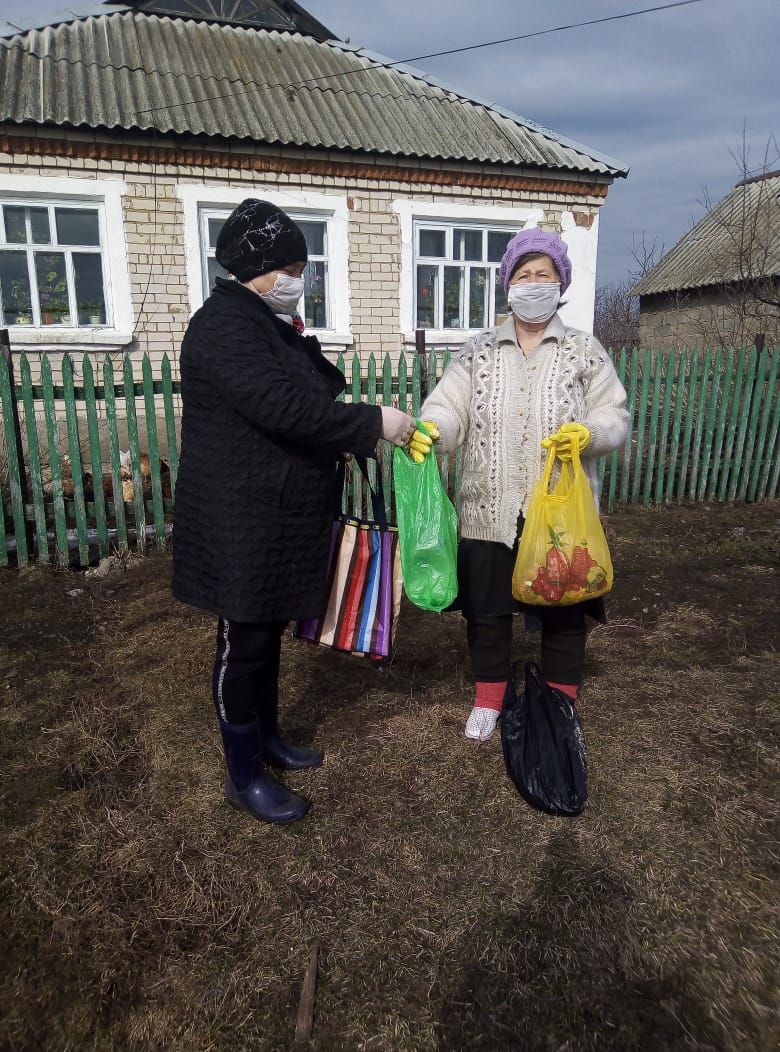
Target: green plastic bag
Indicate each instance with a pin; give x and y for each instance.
(427, 532)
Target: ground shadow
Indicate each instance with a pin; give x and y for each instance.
(565, 969)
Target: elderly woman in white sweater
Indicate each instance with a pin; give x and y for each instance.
(512, 391)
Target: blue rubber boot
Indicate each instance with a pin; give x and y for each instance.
(248, 786)
(277, 752)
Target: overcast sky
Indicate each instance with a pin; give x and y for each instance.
(667, 93)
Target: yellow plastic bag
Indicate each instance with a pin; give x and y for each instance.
(563, 556)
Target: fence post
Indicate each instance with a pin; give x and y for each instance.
(420, 348)
(5, 350)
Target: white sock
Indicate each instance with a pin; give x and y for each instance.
(481, 723)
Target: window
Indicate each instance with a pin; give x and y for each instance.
(456, 275)
(315, 306)
(52, 271)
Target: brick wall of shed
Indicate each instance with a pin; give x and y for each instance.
(706, 319)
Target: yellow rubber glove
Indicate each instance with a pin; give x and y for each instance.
(565, 438)
(421, 444)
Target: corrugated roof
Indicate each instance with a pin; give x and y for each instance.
(746, 223)
(135, 71)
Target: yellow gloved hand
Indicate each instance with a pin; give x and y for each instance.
(568, 436)
(421, 444)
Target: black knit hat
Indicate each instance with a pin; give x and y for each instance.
(258, 237)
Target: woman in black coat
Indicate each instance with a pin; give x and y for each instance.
(262, 434)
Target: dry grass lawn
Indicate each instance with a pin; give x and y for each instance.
(140, 912)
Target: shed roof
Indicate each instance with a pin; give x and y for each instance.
(742, 228)
(129, 70)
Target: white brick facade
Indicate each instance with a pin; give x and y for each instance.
(154, 232)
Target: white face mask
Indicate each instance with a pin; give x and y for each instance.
(534, 301)
(286, 294)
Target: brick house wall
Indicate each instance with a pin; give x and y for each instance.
(154, 172)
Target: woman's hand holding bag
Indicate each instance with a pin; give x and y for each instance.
(566, 438)
(563, 557)
(427, 525)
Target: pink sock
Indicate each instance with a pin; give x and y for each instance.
(571, 690)
(490, 695)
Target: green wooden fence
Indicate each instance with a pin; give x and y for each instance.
(705, 427)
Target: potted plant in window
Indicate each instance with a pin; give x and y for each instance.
(18, 308)
(95, 312)
(54, 300)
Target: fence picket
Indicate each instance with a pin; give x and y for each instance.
(768, 483)
(742, 425)
(615, 457)
(14, 467)
(639, 461)
(95, 458)
(74, 453)
(653, 436)
(416, 384)
(402, 382)
(692, 394)
(625, 475)
(139, 512)
(701, 412)
(153, 450)
(170, 424)
(709, 432)
(761, 443)
(120, 516)
(679, 404)
(58, 499)
(33, 463)
(732, 429)
(754, 414)
(665, 422)
(720, 427)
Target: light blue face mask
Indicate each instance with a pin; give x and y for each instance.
(534, 301)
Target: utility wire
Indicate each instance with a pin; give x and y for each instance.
(554, 29)
(307, 84)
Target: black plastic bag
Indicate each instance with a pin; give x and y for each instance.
(544, 747)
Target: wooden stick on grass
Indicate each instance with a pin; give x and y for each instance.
(305, 1019)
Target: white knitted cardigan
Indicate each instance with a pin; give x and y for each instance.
(500, 403)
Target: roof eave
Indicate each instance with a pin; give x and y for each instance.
(520, 170)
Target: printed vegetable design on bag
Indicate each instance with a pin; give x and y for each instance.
(563, 556)
(559, 575)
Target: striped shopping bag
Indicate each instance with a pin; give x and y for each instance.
(364, 584)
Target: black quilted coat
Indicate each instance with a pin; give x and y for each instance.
(261, 438)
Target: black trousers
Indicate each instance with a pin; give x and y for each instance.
(246, 667)
(563, 644)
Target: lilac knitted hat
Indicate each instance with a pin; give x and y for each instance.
(536, 240)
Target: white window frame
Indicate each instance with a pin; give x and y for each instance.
(199, 199)
(448, 260)
(105, 196)
(415, 215)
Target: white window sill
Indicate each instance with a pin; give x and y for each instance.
(442, 337)
(330, 340)
(28, 336)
